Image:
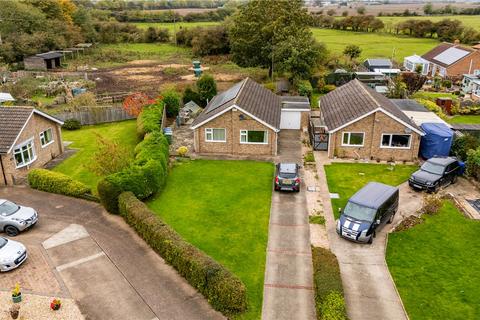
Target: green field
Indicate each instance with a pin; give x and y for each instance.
(178, 25)
(223, 208)
(468, 21)
(84, 140)
(435, 266)
(473, 119)
(374, 45)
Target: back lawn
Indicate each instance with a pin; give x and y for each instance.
(474, 119)
(347, 178)
(84, 140)
(223, 208)
(435, 266)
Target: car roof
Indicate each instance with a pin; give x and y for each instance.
(2, 201)
(373, 195)
(288, 167)
(444, 161)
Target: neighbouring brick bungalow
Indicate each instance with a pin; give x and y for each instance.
(245, 120)
(28, 139)
(364, 124)
(452, 60)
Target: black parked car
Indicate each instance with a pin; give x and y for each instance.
(436, 173)
(287, 177)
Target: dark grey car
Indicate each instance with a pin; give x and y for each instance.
(435, 173)
(287, 177)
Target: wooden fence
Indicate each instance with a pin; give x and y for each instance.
(95, 115)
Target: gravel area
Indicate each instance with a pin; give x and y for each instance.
(35, 307)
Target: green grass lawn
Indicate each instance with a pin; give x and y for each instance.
(468, 21)
(178, 26)
(435, 266)
(347, 178)
(434, 95)
(473, 119)
(84, 140)
(374, 45)
(223, 208)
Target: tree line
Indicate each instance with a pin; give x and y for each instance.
(121, 5)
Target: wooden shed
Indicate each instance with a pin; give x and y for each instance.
(43, 61)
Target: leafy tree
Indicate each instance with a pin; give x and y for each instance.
(449, 30)
(191, 95)
(345, 13)
(352, 51)
(151, 35)
(361, 10)
(266, 32)
(413, 81)
(397, 89)
(110, 157)
(428, 8)
(210, 41)
(207, 88)
(135, 102)
(171, 98)
(331, 12)
(463, 144)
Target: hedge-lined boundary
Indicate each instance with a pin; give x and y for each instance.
(223, 290)
(56, 182)
(329, 300)
(147, 173)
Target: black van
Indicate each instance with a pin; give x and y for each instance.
(372, 206)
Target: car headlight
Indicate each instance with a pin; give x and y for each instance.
(21, 221)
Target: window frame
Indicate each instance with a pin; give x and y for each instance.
(349, 138)
(42, 135)
(19, 147)
(390, 141)
(244, 132)
(210, 131)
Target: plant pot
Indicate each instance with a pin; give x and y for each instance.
(17, 299)
(55, 307)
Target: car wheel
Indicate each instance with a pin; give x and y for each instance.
(370, 241)
(391, 219)
(454, 179)
(11, 231)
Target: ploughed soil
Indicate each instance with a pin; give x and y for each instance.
(151, 77)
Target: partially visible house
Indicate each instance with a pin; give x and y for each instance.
(475, 94)
(364, 124)
(43, 61)
(372, 79)
(245, 120)
(417, 112)
(452, 60)
(28, 139)
(389, 72)
(188, 112)
(295, 112)
(372, 64)
(411, 63)
(6, 97)
(471, 82)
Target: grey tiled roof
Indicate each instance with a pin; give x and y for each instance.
(12, 120)
(353, 100)
(251, 97)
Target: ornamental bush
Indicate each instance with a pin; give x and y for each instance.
(71, 124)
(225, 292)
(305, 88)
(150, 119)
(55, 182)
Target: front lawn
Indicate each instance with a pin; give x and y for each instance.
(435, 266)
(85, 141)
(347, 178)
(473, 119)
(223, 208)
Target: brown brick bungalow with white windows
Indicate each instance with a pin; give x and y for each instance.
(244, 120)
(28, 139)
(364, 124)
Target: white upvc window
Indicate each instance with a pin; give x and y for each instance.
(353, 139)
(24, 153)
(253, 137)
(46, 137)
(396, 141)
(215, 135)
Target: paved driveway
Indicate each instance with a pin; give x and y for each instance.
(288, 288)
(79, 250)
(369, 289)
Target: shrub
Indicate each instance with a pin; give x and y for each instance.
(316, 220)
(432, 106)
(329, 300)
(55, 182)
(431, 204)
(327, 88)
(171, 98)
(150, 119)
(108, 193)
(462, 144)
(86, 99)
(224, 291)
(110, 157)
(309, 157)
(71, 124)
(305, 88)
(191, 95)
(207, 88)
(182, 151)
(473, 163)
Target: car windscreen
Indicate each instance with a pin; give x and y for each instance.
(359, 212)
(432, 168)
(287, 175)
(8, 208)
(3, 242)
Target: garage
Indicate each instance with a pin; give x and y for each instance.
(292, 110)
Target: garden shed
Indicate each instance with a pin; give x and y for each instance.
(437, 140)
(43, 61)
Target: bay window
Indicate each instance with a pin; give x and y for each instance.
(24, 154)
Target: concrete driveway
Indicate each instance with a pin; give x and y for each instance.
(78, 250)
(369, 289)
(288, 289)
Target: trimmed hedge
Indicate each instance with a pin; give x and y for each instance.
(224, 291)
(329, 301)
(56, 182)
(150, 119)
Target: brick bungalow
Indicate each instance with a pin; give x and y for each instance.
(246, 120)
(364, 124)
(452, 60)
(28, 139)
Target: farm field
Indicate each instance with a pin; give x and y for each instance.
(469, 119)
(223, 208)
(179, 25)
(374, 45)
(468, 21)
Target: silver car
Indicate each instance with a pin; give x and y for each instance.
(12, 254)
(15, 218)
